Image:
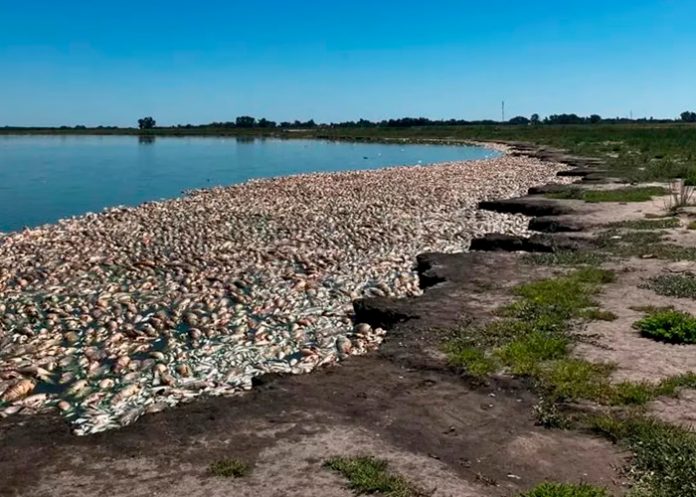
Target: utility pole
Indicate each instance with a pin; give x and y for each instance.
(503, 111)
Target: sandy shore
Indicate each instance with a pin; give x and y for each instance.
(109, 316)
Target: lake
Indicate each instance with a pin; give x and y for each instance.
(47, 178)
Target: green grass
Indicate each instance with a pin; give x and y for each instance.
(668, 326)
(524, 355)
(565, 258)
(642, 244)
(647, 224)
(598, 315)
(565, 490)
(664, 455)
(627, 194)
(368, 475)
(229, 468)
(531, 337)
(681, 285)
(691, 225)
(475, 361)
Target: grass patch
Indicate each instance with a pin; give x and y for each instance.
(648, 224)
(524, 355)
(691, 225)
(566, 490)
(565, 258)
(642, 244)
(664, 455)
(598, 315)
(673, 285)
(626, 194)
(229, 468)
(668, 326)
(531, 337)
(368, 475)
(473, 360)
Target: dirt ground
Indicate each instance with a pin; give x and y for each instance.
(402, 404)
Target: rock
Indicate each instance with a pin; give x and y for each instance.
(382, 312)
(550, 224)
(425, 267)
(508, 243)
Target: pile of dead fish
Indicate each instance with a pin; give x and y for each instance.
(108, 316)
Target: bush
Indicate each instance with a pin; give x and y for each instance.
(669, 326)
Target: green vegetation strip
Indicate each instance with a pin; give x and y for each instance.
(229, 468)
(369, 475)
(627, 194)
(648, 224)
(664, 455)
(682, 285)
(566, 490)
(532, 338)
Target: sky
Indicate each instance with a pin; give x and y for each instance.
(109, 63)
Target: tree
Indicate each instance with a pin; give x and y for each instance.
(265, 123)
(594, 118)
(534, 119)
(146, 123)
(688, 117)
(245, 122)
(519, 120)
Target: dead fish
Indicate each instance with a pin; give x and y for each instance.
(19, 390)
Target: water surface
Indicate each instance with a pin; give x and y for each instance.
(46, 178)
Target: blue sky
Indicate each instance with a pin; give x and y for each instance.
(95, 63)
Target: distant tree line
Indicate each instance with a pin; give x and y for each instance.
(250, 122)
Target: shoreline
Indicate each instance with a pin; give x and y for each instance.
(490, 151)
(207, 291)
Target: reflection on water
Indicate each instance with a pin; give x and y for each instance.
(45, 178)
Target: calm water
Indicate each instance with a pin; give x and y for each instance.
(46, 178)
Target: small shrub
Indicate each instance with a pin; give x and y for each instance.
(673, 285)
(368, 475)
(229, 468)
(669, 326)
(565, 490)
